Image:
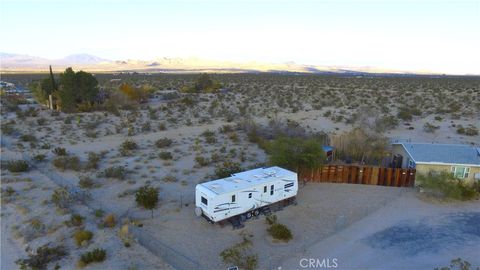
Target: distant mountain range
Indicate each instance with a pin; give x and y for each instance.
(25, 63)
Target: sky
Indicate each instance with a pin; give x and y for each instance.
(423, 35)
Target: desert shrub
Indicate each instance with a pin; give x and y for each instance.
(7, 129)
(76, 220)
(226, 129)
(82, 235)
(86, 182)
(117, 172)
(147, 197)
(202, 161)
(67, 163)
(430, 128)
(169, 178)
(43, 256)
(458, 264)
(61, 197)
(445, 186)
(17, 166)
(28, 138)
(41, 121)
(209, 136)
(165, 155)
(162, 127)
(59, 151)
(39, 157)
(96, 255)
(93, 159)
(163, 142)
(469, 131)
(280, 232)
(127, 146)
(240, 255)
(294, 153)
(99, 213)
(405, 114)
(385, 123)
(227, 168)
(109, 221)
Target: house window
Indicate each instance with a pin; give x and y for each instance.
(460, 171)
(233, 198)
(265, 189)
(249, 195)
(204, 201)
(271, 190)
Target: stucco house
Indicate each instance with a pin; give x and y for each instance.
(463, 161)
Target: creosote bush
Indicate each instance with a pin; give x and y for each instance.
(117, 172)
(96, 255)
(240, 255)
(42, 257)
(147, 197)
(67, 163)
(17, 166)
(227, 168)
(163, 142)
(445, 186)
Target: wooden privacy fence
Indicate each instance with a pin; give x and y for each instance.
(394, 177)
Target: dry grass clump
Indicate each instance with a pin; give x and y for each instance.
(82, 237)
(109, 221)
(163, 142)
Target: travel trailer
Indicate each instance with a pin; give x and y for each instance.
(244, 194)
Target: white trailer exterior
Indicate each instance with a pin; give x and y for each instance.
(244, 192)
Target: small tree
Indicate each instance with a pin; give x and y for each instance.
(295, 153)
(147, 197)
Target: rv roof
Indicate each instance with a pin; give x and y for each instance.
(251, 178)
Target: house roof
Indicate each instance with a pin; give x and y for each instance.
(248, 179)
(443, 153)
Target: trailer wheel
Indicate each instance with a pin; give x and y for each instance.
(256, 212)
(249, 215)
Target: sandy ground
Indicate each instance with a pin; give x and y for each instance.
(321, 210)
(407, 233)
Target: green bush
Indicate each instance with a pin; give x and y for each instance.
(147, 197)
(293, 153)
(76, 220)
(96, 255)
(165, 155)
(280, 232)
(117, 172)
(61, 197)
(17, 166)
(93, 159)
(28, 138)
(39, 157)
(59, 151)
(163, 142)
(202, 161)
(127, 146)
(81, 235)
(86, 182)
(227, 168)
(240, 255)
(67, 163)
(445, 186)
(42, 258)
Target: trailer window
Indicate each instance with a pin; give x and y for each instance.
(233, 198)
(271, 190)
(204, 201)
(265, 189)
(249, 195)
